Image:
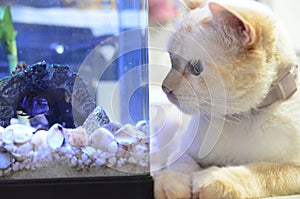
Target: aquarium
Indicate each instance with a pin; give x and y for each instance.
(74, 97)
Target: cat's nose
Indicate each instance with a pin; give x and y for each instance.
(166, 89)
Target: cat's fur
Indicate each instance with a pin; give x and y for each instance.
(257, 154)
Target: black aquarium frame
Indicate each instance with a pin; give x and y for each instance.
(116, 187)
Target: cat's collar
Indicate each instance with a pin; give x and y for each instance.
(282, 88)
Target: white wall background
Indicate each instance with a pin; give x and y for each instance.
(288, 12)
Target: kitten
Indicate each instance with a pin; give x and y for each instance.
(234, 71)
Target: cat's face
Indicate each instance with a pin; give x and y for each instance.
(224, 55)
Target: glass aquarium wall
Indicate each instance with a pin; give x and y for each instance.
(74, 94)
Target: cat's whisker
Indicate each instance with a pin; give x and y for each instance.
(222, 104)
(161, 26)
(220, 113)
(206, 115)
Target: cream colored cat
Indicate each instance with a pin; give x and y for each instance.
(233, 69)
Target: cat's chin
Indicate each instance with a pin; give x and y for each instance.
(187, 109)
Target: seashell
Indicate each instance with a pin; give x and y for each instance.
(88, 150)
(39, 139)
(55, 137)
(77, 137)
(100, 139)
(129, 135)
(8, 136)
(95, 120)
(17, 133)
(142, 125)
(113, 147)
(6, 158)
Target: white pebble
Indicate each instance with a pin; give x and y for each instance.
(66, 149)
(112, 161)
(113, 147)
(25, 149)
(69, 156)
(16, 166)
(74, 161)
(140, 149)
(132, 160)
(63, 158)
(35, 157)
(100, 161)
(28, 166)
(143, 163)
(21, 166)
(94, 165)
(38, 164)
(105, 155)
(90, 151)
(87, 162)
(7, 172)
(32, 167)
(84, 157)
(56, 156)
(99, 153)
(80, 163)
(120, 162)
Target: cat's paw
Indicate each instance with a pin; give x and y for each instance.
(172, 185)
(206, 185)
(216, 190)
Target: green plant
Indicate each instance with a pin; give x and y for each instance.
(8, 37)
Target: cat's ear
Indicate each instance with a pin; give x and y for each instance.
(187, 5)
(231, 18)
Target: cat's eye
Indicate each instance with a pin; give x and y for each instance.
(196, 67)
